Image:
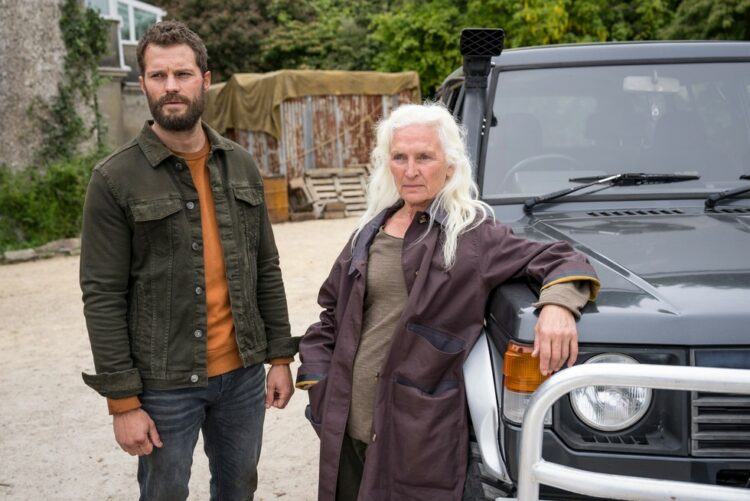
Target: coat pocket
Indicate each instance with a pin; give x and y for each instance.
(313, 412)
(434, 358)
(425, 437)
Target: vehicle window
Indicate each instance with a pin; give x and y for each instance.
(554, 124)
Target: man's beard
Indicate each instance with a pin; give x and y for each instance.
(177, 122)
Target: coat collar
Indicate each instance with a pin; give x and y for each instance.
(156, 152)
(367, 235)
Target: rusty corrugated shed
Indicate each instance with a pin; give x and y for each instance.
(318, 130)
(321, 132)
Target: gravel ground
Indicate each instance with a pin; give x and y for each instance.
(57, 442)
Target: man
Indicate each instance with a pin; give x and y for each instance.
(182, 289)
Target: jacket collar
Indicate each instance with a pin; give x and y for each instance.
(156, 152)
(367, 235)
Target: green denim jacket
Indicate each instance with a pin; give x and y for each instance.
(142, 270)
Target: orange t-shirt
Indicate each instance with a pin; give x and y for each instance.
(222, 353)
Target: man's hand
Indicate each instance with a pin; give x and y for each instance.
(556, 338)
(279, 387)
(136, 433)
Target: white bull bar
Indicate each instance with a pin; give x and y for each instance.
(533, 470)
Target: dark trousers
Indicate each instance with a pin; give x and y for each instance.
(230, 414)
(351, 465)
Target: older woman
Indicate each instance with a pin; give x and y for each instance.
(402, 307)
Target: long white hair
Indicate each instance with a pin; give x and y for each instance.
(458, 198)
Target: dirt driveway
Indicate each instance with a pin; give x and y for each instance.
(56, 440)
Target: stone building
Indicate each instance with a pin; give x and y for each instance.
(31, 66)
(32, 55)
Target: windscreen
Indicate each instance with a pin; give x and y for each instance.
(550, 125)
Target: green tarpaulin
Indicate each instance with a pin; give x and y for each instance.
(251, 101)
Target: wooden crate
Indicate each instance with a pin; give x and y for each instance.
(347, 186)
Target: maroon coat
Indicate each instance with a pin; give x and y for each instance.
(420, 423)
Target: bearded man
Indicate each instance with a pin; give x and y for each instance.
(182, 288)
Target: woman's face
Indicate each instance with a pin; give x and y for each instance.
(418, 164)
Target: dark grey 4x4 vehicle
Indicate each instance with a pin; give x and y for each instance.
(656, 137)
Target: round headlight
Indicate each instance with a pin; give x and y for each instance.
(610, 408)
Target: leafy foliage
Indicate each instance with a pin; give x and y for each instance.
(711, 20)
(321, 34)
(84, 33)
(231, 29)
(40, 206)
(419, 36)
(422, 35)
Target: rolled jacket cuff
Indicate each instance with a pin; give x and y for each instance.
(115, 385)
(282, 348)
(305, 381)
(594, 284)
(310, 374)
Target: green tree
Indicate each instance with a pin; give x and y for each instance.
(321, 34)
(231, 29)
(421, 36)
(710, 20)
(542, 22)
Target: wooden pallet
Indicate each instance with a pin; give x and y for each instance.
(346, 186)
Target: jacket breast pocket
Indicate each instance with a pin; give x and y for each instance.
(434, 360)
(156, 228)
(249, 206)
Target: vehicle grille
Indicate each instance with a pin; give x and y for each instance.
(636, 212)
(721, 425)
(732, 210)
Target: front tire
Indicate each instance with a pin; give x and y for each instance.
(480, 485)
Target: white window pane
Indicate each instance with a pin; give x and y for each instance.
(143, 21)
(100, 5)
(122, 11)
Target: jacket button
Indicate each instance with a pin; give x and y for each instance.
(190, 205)
(198, 291)
(178, 166)
(194, 378)
(374, 437)
(197, 333)
(195, 246)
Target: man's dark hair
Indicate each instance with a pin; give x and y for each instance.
(169, 33)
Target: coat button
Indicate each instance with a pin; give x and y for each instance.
(190, 205)
(198, 291)
(195, 246)
(194, 378)
(197, 333)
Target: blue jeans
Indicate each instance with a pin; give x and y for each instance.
(230, 412)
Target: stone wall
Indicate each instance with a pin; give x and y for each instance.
(32, 56)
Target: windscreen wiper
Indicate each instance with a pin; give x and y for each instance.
(624, 179)
(714, 198)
